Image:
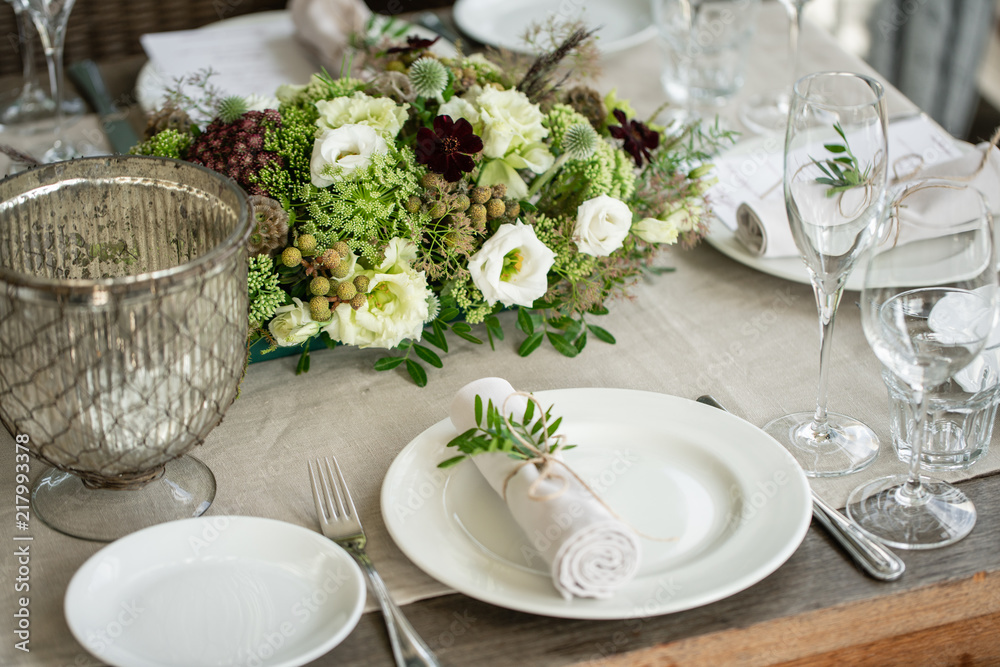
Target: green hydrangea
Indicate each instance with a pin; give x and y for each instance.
(265, 294)
(168, 143)
(367, 209)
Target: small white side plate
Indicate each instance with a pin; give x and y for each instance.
(620, 24)
(215, 590)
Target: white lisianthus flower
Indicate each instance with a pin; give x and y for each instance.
(399, 256)
(512, 267)
(602, 223)
(460, 107)
(512, 125)
(654, 230)
(292, 324)
(380, 113)
(348, 147)
(397, 304)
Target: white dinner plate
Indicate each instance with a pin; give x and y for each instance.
(621, 24)
(151, 85)
(794, 269)
(215, 590)
(734, 499)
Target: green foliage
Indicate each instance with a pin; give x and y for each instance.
(168, 143)
(496, 434)
(367, 208)
(843, 172)
(266, 295)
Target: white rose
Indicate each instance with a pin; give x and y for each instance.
(349, 147)
(292, 324)
(512, 267)
(395, 310)
(380, 113)
(602, 223)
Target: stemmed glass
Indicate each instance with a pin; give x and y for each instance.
(31, 103)
(835, 180)
(768, 112)
(51, 18)
(928, 306)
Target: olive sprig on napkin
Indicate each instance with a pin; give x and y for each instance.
(844, 171)
(495, 433)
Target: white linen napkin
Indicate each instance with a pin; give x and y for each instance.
(325, 27)
(749, 198)
(591, 553)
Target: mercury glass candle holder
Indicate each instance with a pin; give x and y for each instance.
(123, 327)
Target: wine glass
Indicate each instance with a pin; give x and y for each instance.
(31, 103)
(928, 307)
(51, 18)
(835, 180)
(767, 112)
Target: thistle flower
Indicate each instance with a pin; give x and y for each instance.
(428, 77)
(232, 108)
(448, 148)
(580, 141)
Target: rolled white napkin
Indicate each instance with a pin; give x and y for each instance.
(749, 198)
(325, 27)
(591, 553)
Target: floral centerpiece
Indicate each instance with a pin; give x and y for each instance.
(419, 195)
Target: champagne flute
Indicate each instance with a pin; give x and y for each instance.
(51, 18)
(767, 112)
(31, 103)
(835, 181)
(928, 306)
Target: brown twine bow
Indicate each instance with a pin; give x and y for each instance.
(545, 459)
(893, 228)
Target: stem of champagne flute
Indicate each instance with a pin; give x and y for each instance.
(27, 45)
(827, 313)
(912, 491)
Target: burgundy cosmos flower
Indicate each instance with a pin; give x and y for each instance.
(639, 139)
(413, 43)
(448, 148)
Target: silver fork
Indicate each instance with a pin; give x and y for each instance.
(340, 522)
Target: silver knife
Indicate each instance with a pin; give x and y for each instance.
(874, 558)
(88, 79)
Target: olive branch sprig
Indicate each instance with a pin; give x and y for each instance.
(844, 171)
(494, 433)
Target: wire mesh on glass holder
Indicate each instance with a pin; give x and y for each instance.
(123, 321)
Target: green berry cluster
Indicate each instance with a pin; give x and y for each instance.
(326, 272)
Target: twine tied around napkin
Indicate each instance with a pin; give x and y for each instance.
(589, 552)
(543, 457)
